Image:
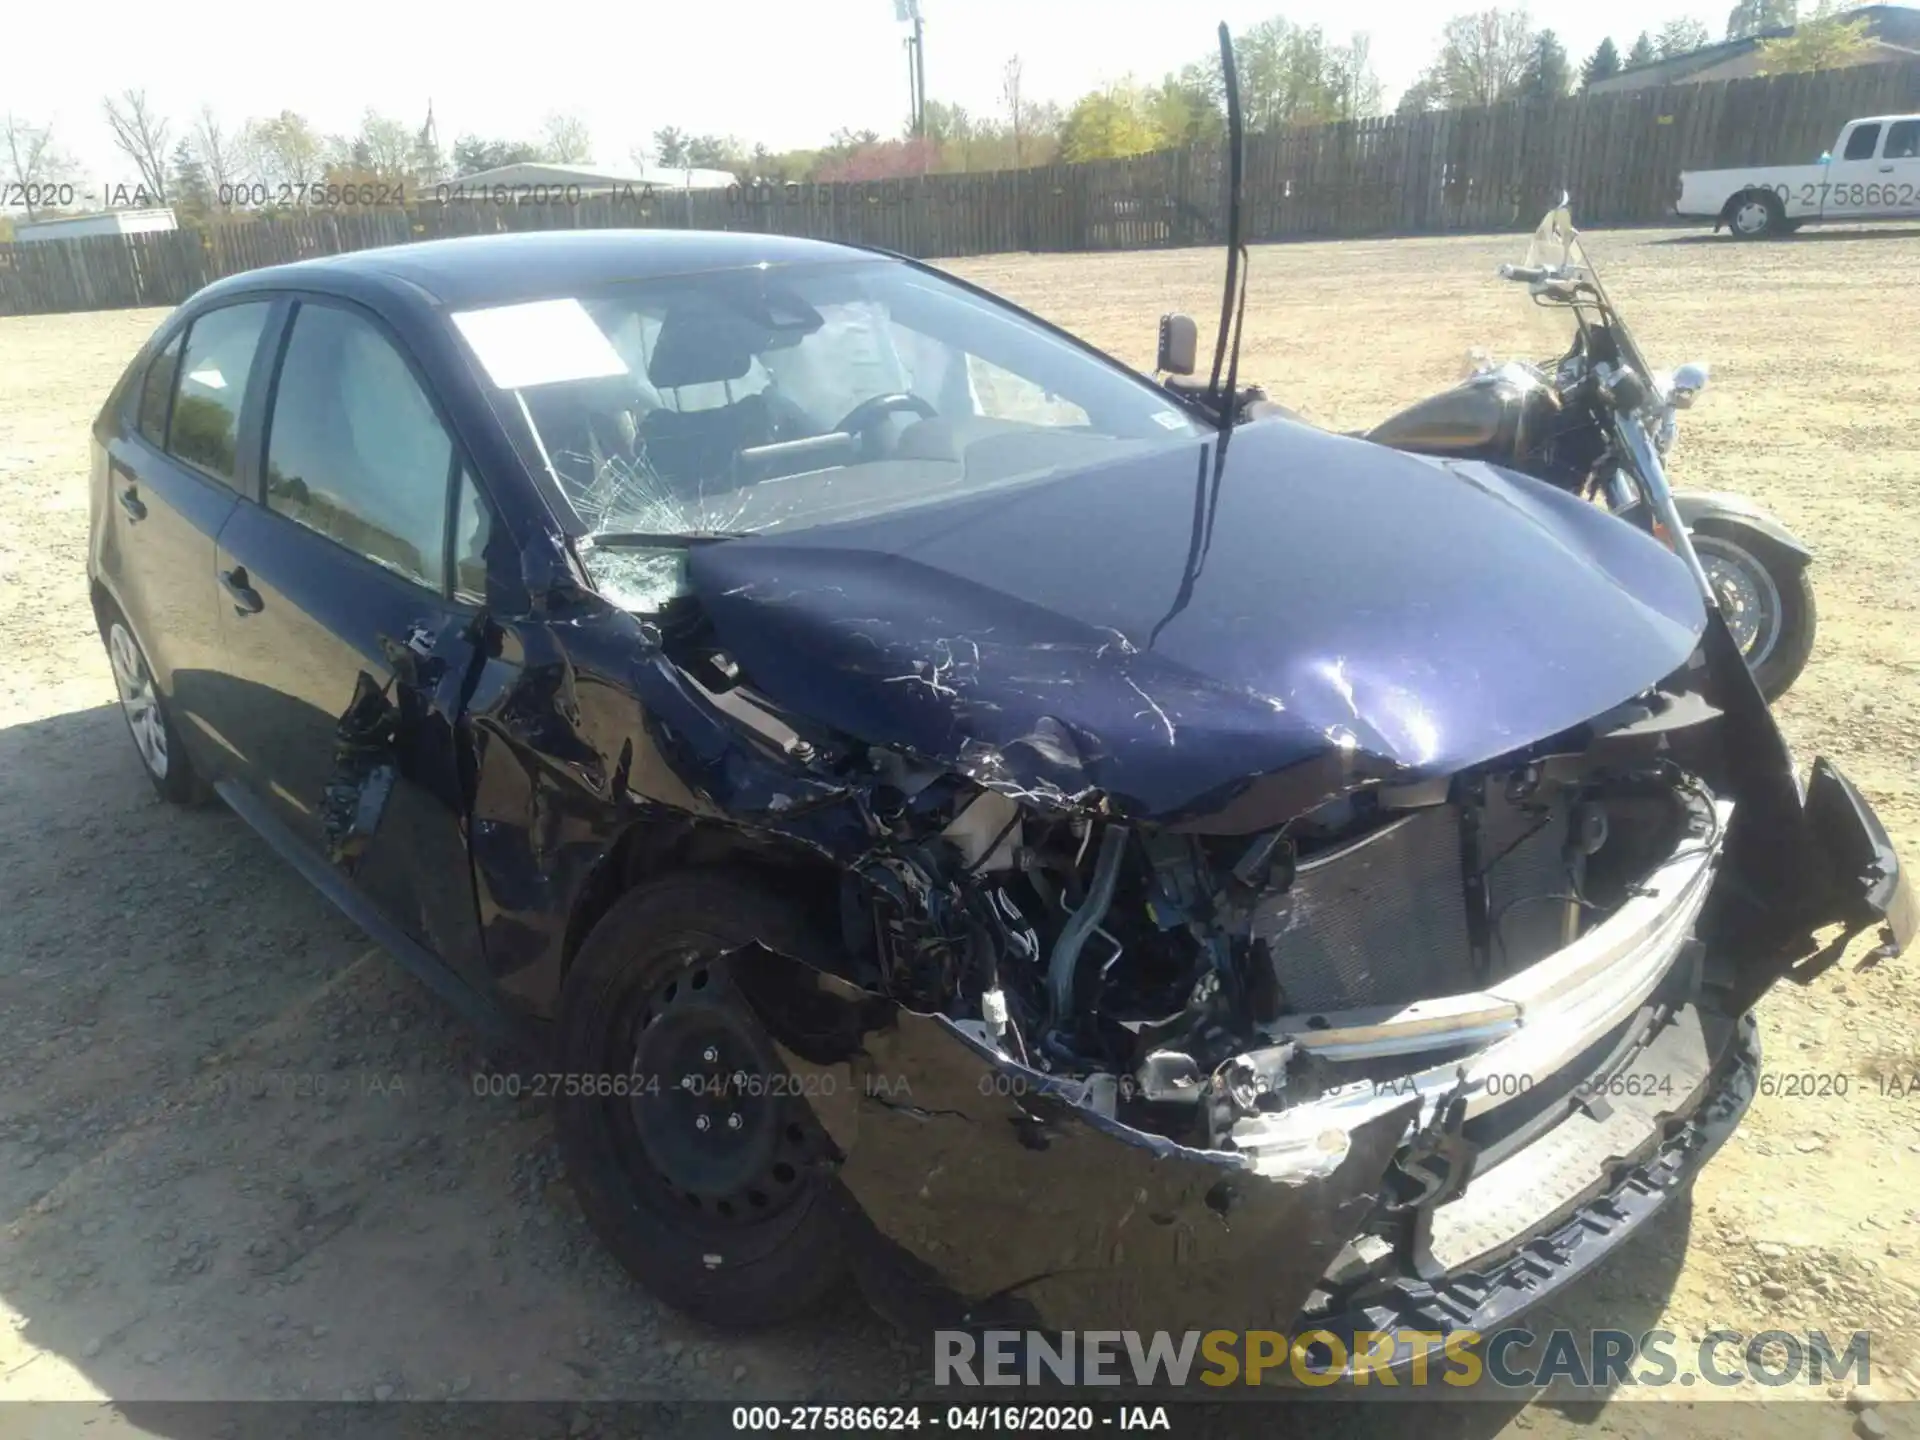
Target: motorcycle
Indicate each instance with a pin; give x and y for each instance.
(1598, 422)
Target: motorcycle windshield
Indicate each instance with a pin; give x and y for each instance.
(1557, 245)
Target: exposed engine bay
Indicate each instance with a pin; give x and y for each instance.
(1152, 966)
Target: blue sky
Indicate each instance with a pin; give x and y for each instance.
(788, 72)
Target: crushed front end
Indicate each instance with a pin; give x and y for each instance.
(1407, 1061)
(1232, 936)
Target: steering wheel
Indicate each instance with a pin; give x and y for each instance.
(864, 416)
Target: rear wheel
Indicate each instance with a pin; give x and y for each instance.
(702, 1172)
(1756, 215)
(155, 740)
(1767, 599)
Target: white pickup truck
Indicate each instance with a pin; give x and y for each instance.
(1872, 173)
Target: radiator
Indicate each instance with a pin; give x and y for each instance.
(1384, 921)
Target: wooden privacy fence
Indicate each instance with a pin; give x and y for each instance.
(1619, 155)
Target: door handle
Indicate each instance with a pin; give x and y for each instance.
(1886, 169)
(246, 599)
(131, 502)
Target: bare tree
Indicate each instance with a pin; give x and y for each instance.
(285, 151)
(564, 140)
(1681, 37)
(1016, 107)
(1356, 85)
(1483, 57)
(33, 162)
(141, 136)
(218, 152)
(387, 144)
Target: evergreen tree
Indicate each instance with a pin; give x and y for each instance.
(1548, 75)
(192, 196)
(1604, 61)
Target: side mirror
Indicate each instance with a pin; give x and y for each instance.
(1179, 345)
(1688, 381)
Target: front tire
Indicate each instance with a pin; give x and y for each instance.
(1767, 597)
(712, 1194)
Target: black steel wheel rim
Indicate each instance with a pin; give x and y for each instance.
(710, 1109)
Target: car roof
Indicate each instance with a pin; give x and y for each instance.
(488, 269)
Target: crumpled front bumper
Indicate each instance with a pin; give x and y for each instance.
(981, 1196)
(1566, 1237)
(979, 1193)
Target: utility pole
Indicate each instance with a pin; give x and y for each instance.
(907, 12)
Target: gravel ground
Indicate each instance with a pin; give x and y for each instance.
(241, 1153)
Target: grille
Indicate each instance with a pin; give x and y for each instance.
(1384, 922)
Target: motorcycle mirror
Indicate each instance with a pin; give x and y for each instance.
(1688, 381)
(1563, 226)
(1179, 345)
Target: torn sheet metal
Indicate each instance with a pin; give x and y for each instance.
(580, 732)
(1360, 614)
(979, 1192)
(364, 771)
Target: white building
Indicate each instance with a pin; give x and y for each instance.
(589, 182)
(107, 222)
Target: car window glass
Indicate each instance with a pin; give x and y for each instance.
(744, 400)
(1860, 144)
(220, 347)
(156, 392)
(1001, 395)
(472, 527)
(354, 448)
(1903, 141)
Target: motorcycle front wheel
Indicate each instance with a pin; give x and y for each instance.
(1767, 599)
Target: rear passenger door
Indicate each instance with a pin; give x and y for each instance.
(175, 464)
(354, 582)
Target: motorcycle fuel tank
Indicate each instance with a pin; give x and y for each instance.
(1496, 417)
(1214, 633)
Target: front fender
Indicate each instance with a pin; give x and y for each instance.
(1695, 506)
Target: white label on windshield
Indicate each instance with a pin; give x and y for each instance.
(541, 343)
(1169, 419)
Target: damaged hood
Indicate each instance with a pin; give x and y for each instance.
(1223, 639)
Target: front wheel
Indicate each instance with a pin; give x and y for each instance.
(1757, 215)
(1767, 598)
(697, 1163)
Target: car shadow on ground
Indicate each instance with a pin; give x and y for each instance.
(243, 1157)
(1801, 237)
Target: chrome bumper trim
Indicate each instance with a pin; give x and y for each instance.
(1532, 1024)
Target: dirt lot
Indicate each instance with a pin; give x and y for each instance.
(240, 1152)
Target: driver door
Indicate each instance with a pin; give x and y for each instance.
(1853, 176)
(1900, 168)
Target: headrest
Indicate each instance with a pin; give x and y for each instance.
(702, 345)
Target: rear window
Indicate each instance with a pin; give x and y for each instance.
(1860, 144)
(1903, 141)
(220, 349)
(156, 393)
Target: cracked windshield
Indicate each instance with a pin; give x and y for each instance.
(767, 398)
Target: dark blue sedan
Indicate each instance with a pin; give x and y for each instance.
(947, 814)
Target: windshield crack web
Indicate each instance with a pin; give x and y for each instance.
(630, 495)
